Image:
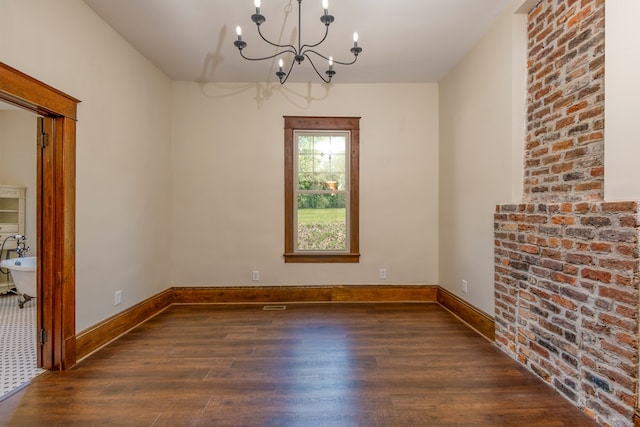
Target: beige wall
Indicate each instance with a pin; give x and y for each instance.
(481, 148)
(622, 110)
(228, 208)
(123, 163)
(18, 162)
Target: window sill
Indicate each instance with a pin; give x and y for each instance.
(321, 258)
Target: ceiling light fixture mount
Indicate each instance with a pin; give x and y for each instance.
(303, 50)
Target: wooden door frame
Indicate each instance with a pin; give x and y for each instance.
(55, 219)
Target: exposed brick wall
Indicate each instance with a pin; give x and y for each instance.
(566, 292)
(565, 102)
(566, 261)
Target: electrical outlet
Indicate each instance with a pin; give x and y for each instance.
(465, 286)
(255, 276)
(117, 298)
(383, 273)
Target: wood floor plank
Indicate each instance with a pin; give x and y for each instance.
(338, 364)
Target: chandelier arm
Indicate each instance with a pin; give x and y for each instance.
(266, 57)
(306, 52)
(355, 58)
(307, 46)
(290, 46)
(315, 69)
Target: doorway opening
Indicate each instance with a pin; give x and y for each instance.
(18, 249)
(55, 213)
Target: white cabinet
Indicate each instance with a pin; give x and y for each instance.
(12, 203)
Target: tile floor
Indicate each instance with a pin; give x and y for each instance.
(18, 359)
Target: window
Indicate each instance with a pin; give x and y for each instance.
(321, 189)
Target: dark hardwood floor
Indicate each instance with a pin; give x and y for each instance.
(309, 365)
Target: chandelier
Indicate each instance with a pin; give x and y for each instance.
(300, 52)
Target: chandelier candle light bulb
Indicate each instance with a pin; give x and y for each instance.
(301, 51)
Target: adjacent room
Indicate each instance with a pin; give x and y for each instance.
(441, 206)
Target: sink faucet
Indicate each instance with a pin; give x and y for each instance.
(21, 245)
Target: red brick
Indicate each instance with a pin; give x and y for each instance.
(585, 186)
(597, 327)
(562, 278)
(562, 167)
(626, 324)
(628, 339)
(582, 207)
(532, 249)
(618, 264)
(620, 207)
(624, 281)
(627, 312)
(588, 362)
(570, 269)
(550, 160)
(543, 72)
(576, 107)
(593, 136)
(527, 314)
(578, 17)
(627, 250)
(565, 302)
(565, 122)
(618, 295)
(563, 220)
(539, 349)
(550, 253)
(594, 112)
(582, 246)
(542, 92)
(544, 33)
(629, 221)
(566, 207)
(597, 172)
(600, 247)
(626, 398)
(577, 258)
(576, 153)
(617, 377)
(627, 354)
(597, 275)
(536, 219)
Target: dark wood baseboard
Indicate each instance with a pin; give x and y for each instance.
(338, 293)
(93, 338)
(477, 319)
(636, 418)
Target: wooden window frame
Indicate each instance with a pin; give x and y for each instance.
(305, 123)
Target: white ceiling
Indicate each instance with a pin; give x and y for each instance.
(403, 41)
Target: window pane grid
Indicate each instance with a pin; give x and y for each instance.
(321, 192)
